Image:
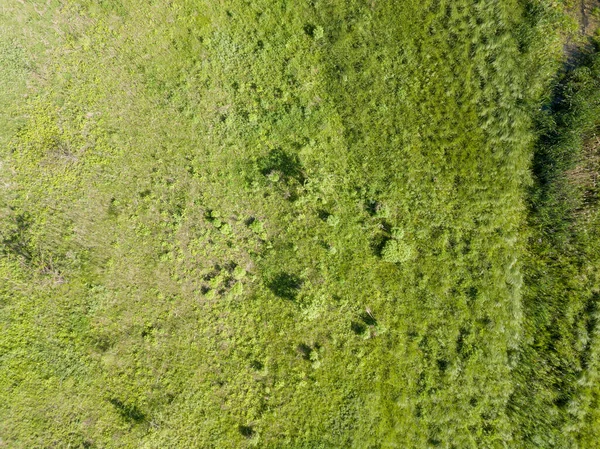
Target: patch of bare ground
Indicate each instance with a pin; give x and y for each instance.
(586, 13)
(586, 176)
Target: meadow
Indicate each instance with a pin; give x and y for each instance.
(275, 224)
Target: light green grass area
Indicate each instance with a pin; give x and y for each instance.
(295, 224)
(28, 33)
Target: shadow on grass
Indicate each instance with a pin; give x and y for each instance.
(129, 412)
(285, 285)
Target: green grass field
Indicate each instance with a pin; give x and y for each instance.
(314, 224)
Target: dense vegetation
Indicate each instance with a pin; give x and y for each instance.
(560, 359)
(322, 224)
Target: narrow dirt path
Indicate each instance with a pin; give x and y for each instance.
(579, 43)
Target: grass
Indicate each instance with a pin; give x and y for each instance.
(301, 225)
(561, 294)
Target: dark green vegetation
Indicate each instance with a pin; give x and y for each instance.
(557, 397)
(321, 224)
